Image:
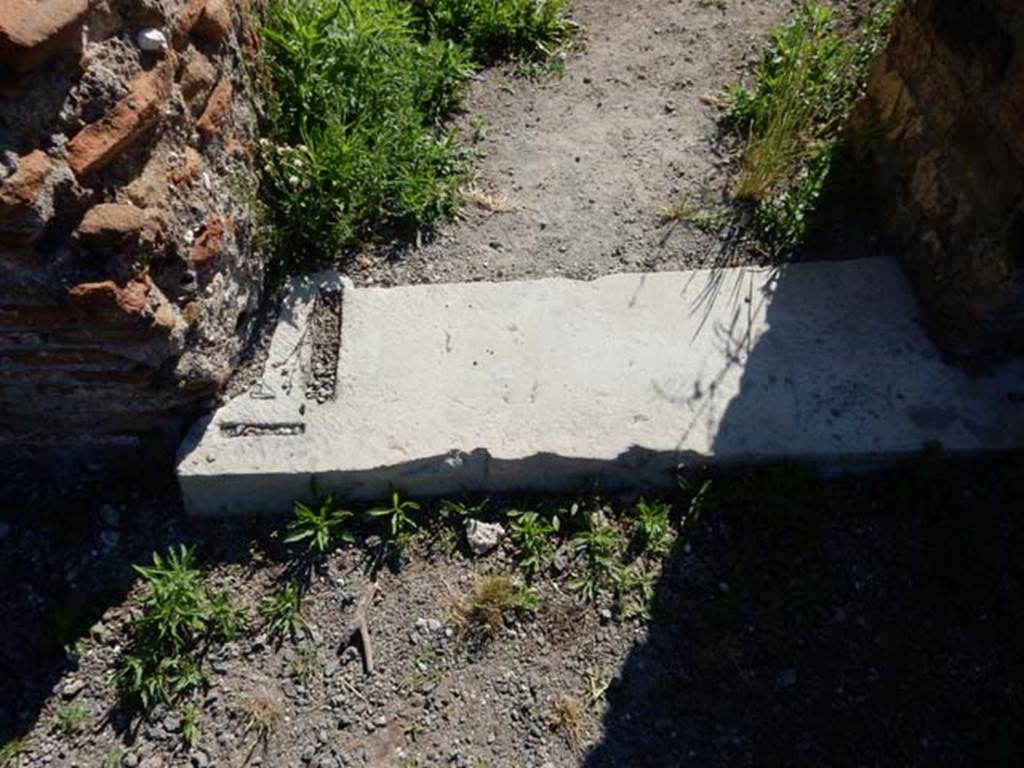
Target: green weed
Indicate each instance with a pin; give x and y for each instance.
(651, 531)
(282, 611)
(322, 528)
(602, 548)
(189, 723)
(497, 30)
(10, 753)
(71, 718)
(398, 512)
(792, 117)
(532, 537)
(305, 665)
(181, 617)
(353, 100)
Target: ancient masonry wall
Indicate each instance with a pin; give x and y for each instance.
(127, 276)
(947, 102)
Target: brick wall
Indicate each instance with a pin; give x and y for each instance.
(127, 277)
(947, 100)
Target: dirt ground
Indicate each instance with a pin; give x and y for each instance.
(576, 168)
(853, 622)
(865, 621)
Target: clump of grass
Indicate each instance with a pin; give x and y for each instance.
(305, 665)
(282, 611)
(792, 117)
(182, 616)
(703, 218)
(568, 717)
(493, 599)
(71, 718)
(263, 713)
(10, 753)
(497, 30)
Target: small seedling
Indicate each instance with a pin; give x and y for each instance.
(532, 534)
(321, 529)
(71, 718)
(493, 600)
(305, 665)
(282, 611)
(462, 510)
(704, 219)
(189, 723)
(602, 548)
(399, 516)
(651, 531)
(634, 591)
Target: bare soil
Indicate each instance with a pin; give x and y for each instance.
(577, 168)
(860, 621)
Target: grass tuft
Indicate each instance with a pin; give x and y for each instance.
(792, 117)
(493, 600)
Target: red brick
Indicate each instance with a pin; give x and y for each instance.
(217, 109)
(188, 170)
(108, 298)
(19, 194)
(33, 30)
(214, 22)
(198, 76)
(209, 245)
(120, 225)
(98, 143)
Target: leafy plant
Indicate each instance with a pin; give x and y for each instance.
(792, 116)
(181, 617)
(602, 548)
(532, 537)
(462, 509)
(352, 102)
(322, 528)
(651, 530)
(282, 611)
(634, 591)
(189, 723)
(399, 515)
(71, 718)
(492, 600)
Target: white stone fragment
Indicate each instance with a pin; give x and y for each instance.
(151, 39)
(483, 537)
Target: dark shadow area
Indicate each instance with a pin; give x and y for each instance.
(66, 562)
(871, 619)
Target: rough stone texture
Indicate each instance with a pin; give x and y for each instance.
(127, 278)
(947, 101)
(33, 30)
(544, 385)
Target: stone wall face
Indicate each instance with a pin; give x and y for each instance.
(947, 98)
(127, 276)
